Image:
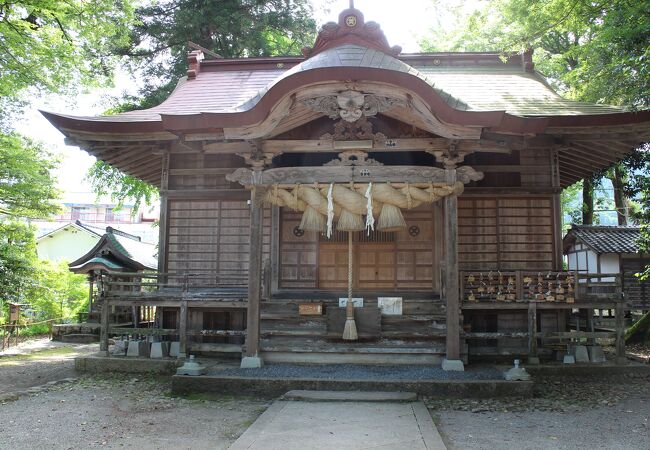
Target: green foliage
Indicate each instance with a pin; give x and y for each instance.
(53, 45)
(571, 205)
(58, 292)
(18, 261)
(639, 331)
(35, 330)
(108, 180)
(27, 187)
(50, 289)
(231, 28)
(592, 51)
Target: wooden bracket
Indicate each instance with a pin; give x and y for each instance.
(257, 158)
(451, 157)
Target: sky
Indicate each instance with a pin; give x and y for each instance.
(403, 23)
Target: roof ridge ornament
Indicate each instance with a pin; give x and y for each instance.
(351, 29)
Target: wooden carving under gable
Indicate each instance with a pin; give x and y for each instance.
(353, 131)
(351, 105)
(353, 158)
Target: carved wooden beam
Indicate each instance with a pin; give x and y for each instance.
(330, 145)
(347, 174)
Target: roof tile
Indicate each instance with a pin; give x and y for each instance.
(606, 239)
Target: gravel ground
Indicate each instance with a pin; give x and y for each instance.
(564, 414)
(38, 362)
(358, 372)
(639, 350)
(123, 412)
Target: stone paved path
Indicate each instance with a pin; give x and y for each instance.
(342, 425)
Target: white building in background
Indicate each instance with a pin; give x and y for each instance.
(82, 213)
(66, 243)
(602, 249)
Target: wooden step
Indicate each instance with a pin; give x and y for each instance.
(297, 332)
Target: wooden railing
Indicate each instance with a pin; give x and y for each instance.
(548, 286)
(140, 284)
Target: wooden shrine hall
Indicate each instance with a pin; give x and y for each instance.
(357, 204)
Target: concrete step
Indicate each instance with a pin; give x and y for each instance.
(350, 396)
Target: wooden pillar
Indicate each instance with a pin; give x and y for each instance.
(182, 330)
(163, 232)
(451, 272)
(620, 332)
(104, 323)
(254, 280)
(438, 246)
(91, 281)
(532, 333)
(134, 316)
(590, 325)
(163, 224)
(275, 249)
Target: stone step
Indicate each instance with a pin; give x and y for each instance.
(358, 357)
(350, 396)
(79, 338)
(325, 346)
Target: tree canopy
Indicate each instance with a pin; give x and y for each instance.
(56, 45)
(108, 180)
(46, 46)
(27, 186)
(158, 45)
(591, 51)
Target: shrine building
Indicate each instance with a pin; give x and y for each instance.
(360, 205)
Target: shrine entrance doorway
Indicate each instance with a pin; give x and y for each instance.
(374, 265)
(389, 262)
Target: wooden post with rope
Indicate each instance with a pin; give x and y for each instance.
(350, 329)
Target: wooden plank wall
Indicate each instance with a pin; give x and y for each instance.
(637, 292)
(298, 253)
(505, 233)
(413, 249)
(194, 171)
(210, 236)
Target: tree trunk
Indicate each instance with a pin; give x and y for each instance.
(619, 197)
(587, 201)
